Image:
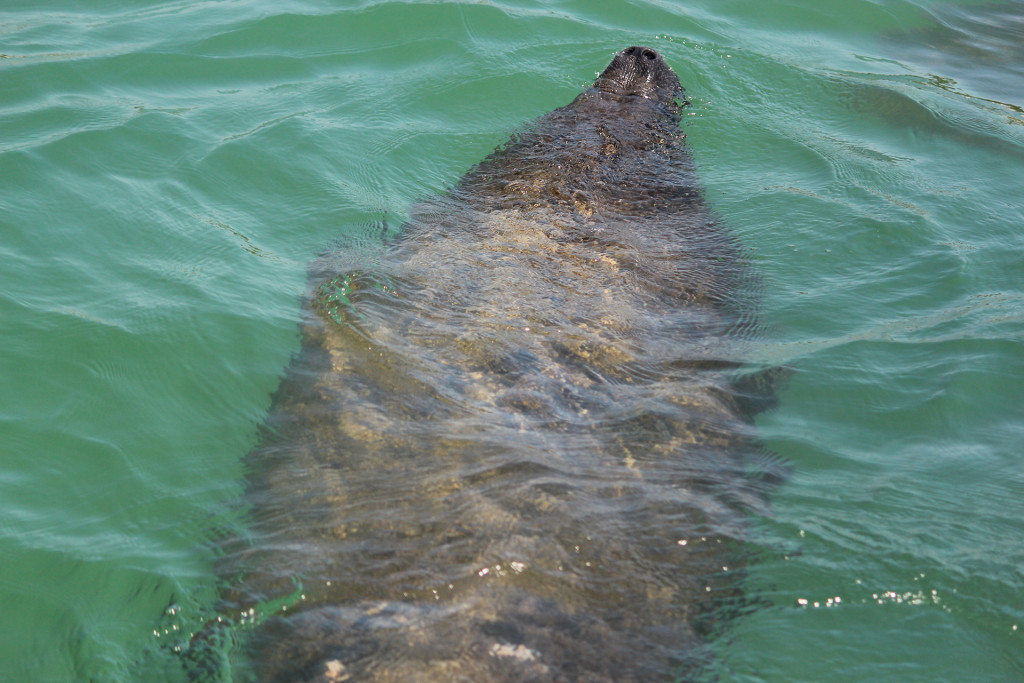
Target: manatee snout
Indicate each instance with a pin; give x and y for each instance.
(639, 70)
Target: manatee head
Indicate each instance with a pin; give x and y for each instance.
(641, 72)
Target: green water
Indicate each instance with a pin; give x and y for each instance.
(167, 173)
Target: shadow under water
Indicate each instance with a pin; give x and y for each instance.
(516, 448)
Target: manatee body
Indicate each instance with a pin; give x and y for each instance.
(512, 447)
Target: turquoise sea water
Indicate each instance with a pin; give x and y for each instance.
(167, 172)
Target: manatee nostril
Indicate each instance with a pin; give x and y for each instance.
(645, 52)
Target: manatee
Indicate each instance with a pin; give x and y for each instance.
(516, 443)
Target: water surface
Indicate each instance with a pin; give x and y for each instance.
(168, 172)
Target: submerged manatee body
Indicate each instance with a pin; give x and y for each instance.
(514, 448)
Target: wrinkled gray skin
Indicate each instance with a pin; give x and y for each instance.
(514, 448)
